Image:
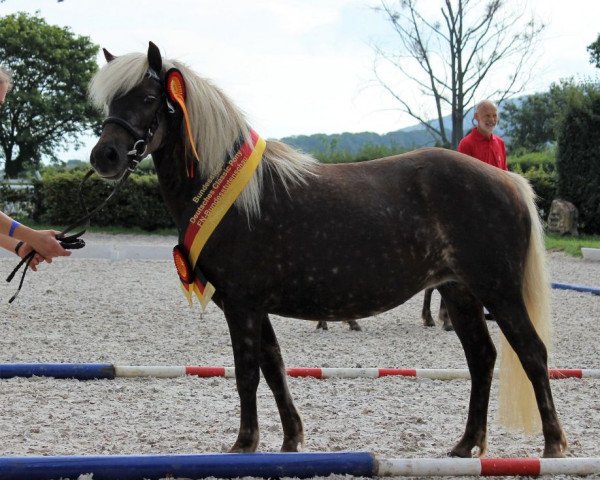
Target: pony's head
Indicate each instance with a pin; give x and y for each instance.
(131, 89)
(144, 117)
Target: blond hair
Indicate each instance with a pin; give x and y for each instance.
(216, 125)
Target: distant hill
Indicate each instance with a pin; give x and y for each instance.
(354, 142)
(407, 138)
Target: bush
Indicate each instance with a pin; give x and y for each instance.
(544, 160)
(137, 204)
(368, 151)
(578, 157)
(17, 199)
(544, 184)
(540, 169)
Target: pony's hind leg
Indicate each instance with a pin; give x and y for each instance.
(513, 320)
(273, 369)
(466, 314)
(426, 310)
(444, 317)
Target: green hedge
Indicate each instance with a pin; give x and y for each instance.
(17, 200)
(545, 186)
(545, 160)
(138, 203)
(578, 159)
(540, 169)
(367, 152)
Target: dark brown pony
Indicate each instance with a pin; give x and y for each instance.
(443, 317)
(323, 242)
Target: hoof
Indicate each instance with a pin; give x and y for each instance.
(447, 327)
(554, 454)
(557, 450)
(354, 326)
(246, 445)
(322, 325)
(456, 454)
(290, 446)
(236, 449)
(469, 448)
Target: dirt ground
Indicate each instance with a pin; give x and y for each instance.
(131, 312)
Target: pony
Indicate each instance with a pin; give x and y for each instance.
(426, 316)
(443, 317)
(323, 242)
(353, 324)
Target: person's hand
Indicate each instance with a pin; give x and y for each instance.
(35, 261)
(45, 244)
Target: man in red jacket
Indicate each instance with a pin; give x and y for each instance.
(481, 143)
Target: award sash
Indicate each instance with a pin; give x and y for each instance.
(214, 199)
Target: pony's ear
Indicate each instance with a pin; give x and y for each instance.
(154, 58)
(109, 56)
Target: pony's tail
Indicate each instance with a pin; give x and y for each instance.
(517, 404)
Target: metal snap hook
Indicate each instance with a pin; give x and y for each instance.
(137, 146)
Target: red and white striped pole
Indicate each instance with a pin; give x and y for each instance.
(425, 467)
(90, 371)
(333, 372)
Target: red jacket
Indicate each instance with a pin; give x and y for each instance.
(489, 150)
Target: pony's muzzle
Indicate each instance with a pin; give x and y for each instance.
(107, 160)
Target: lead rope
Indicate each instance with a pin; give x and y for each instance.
(135, 155)
(70, 242)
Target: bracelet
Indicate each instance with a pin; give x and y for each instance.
(13, 226)
(18, 246)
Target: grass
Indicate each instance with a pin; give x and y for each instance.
(571, 245)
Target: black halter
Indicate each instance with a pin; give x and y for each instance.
(135, 155)
(141, 141)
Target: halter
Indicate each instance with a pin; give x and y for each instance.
(140, 145)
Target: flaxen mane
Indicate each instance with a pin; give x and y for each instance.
(216, 124)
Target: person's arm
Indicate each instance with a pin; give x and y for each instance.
(504, 165)
(8, 243)
(42, 241)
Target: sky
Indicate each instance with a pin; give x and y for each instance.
(297, 67)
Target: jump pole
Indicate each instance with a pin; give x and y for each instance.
(577, 288)
(91, 371)
(276, 465)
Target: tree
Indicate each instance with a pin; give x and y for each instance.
(531, 124)
(468, 53)
(594, 51)
(578, 156)
(47, 108)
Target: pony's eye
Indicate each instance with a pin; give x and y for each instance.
(149, 98)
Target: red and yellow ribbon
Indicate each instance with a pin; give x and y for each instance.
(175, 86)
(215, 198)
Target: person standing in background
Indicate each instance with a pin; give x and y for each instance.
(482, 144)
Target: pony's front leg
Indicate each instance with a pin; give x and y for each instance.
(273, 368)
(245, 331)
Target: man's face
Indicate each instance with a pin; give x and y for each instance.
(487, 118)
